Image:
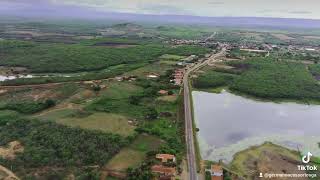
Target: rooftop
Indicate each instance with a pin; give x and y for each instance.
(166, 157)
(163, 170)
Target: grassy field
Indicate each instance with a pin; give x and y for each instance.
(135, 154)
(169, 98)
(111, 123)
(158, 67)
(120, 90)
(171, 57)
(212, 79)
(56, 114)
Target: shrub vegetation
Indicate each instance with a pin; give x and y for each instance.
(47, 144)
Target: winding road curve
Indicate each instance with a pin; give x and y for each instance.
(191, 159)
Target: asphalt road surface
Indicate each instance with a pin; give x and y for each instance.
(191, 159)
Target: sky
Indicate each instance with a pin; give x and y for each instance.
(307, 9)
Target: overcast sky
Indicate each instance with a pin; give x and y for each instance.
(245, 8)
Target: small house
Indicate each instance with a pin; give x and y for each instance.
(166, 157)
(216, 172)
(163, 92)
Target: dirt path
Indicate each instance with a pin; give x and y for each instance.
(35, 85)
(47, 84)
(10, 174)
(62, 106)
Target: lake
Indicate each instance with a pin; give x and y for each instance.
(229, 123)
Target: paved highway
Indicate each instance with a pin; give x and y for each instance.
(191, 159)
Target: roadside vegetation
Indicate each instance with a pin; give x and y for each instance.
(213, 79)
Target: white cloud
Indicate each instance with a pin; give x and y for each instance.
(269, 8)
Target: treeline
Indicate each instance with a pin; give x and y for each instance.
(47, 144)
(212, 79)
(107, 73)
(28, 107)
(315, 69)
(273, 79)
(268, 79)
(186, 50)
(44, 57)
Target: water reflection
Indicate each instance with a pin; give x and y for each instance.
(230, 123)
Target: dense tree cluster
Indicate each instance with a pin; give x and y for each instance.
(212, 79)
(273, 79)
(50, 144)
(44, 57)
(267, 78)
(29, 107)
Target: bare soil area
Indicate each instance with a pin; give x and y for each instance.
(6, 174)
(267, 158)
(312, 37)
(283, 37)
(10, 151)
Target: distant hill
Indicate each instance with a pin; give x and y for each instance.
(127, 25)
(72, 12)
(219, 21)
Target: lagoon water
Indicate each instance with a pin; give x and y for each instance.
(5, 78)
(229, 123)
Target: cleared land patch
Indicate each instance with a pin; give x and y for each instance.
(171, 57)
(119, 90)
(11, 150)
(55, 114)
(157, 68)
(170, 98)
(283, 37)
(105, 122)
(134, 155)
(6, 174)
(312, 37)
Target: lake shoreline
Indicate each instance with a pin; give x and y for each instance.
(218, 90)
(276, 134)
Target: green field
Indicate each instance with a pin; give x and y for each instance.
(171, 57)
(111, 123)
(135, 154)
(120, 90)
(56, 114)
(212, 79)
